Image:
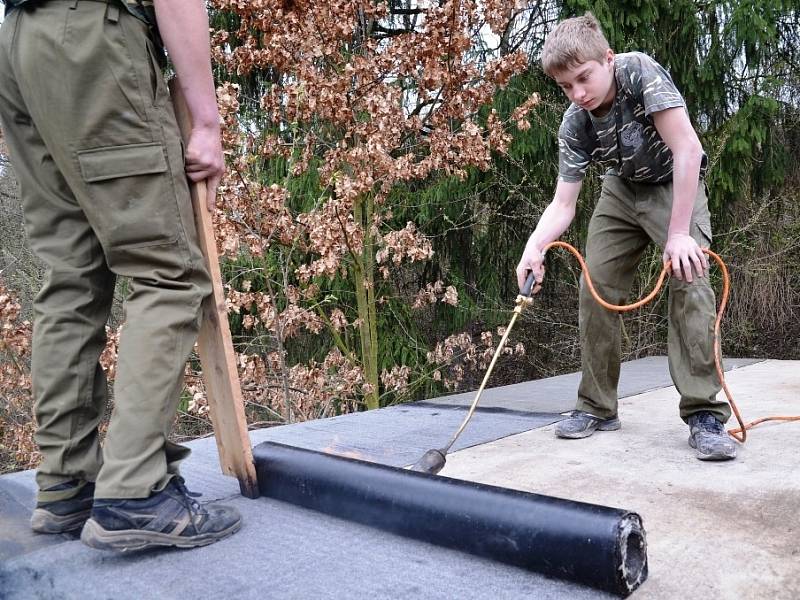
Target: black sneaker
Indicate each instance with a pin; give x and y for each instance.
(581, 424)
(708, 437)
(171, 517)
(63, 516)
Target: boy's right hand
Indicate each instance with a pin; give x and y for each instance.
(532, 261)
(554, 221)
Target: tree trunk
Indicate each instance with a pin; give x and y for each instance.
(364, 280)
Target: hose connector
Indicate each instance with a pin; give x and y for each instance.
(524, 297)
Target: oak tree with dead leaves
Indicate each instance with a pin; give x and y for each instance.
(361, 98)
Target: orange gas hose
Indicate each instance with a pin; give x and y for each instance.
(739, 433)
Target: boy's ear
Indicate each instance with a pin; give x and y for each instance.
(609, 56)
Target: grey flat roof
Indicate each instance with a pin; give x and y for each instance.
(689, 508)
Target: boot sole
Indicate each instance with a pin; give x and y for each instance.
(577, 435)
(43, 521)
(129, 540)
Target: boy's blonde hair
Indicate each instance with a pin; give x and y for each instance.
(573, 42)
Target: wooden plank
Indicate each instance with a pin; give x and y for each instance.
(215, 346)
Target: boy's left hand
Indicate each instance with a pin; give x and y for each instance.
(685, 254)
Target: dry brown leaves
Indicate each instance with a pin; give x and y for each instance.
(366, 102)
(16, 403)
(395, 108)
(459, 355)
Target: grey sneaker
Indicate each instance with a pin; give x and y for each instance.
(171, 517)
(709, 438)
(581, 424)
(63, 516)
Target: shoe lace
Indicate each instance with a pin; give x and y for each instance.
(708, 422)
(188, 498)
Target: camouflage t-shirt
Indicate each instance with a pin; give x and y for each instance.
(624, 141)
(142, 9)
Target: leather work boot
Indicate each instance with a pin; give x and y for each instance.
(708, 437)
(171, 517)
(581, 424)
(62, 516)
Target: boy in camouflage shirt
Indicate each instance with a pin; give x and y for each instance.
(627, 115)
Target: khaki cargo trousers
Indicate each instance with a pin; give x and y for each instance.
(627, 218)
(94, 143)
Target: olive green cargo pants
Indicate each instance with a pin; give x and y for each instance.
(627, 218)
(95, 146)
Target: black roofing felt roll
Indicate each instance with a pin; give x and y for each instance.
(593, 545)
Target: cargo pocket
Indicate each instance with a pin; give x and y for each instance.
(701, 218)
(704, 238)
(131, 197)
(693, 307)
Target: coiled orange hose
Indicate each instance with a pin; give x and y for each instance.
(739, 433)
